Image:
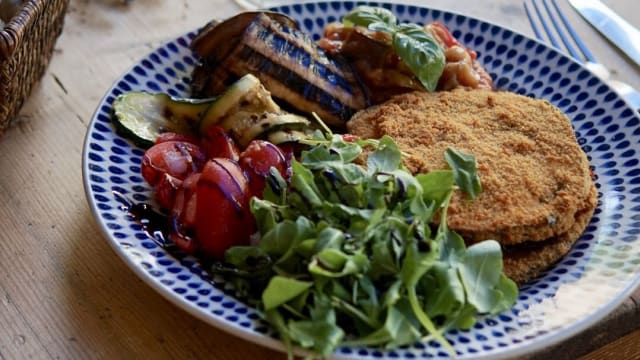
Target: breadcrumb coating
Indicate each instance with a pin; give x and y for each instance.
(537, 185)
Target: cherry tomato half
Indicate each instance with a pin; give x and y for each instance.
(176, 158)
(217, 143)
(183, 215)
(257, 159)
(166, 189)
(350, 138)
(222, 217)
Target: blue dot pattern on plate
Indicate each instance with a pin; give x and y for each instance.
(590, 280)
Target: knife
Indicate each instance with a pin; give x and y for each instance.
(611, 25)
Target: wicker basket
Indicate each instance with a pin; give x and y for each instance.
(26, 45)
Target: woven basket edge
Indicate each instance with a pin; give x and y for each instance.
(12, 44)
(14, 30)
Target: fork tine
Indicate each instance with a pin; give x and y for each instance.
(532, 21)
(587, 54)
(560, 31)
(545, 25)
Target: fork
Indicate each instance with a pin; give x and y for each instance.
(561, 28)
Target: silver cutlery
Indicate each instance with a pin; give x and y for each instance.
(622, 34)
(548, 23)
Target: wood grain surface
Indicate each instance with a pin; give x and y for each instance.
(64, 293)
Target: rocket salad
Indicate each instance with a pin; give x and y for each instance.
(347, 254)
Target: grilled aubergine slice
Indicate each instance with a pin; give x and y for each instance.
(287, 61)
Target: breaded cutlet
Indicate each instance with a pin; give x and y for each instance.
(538, 194)
(525, 261)
(535, 176)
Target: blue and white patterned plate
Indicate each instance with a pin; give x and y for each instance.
(600, 272)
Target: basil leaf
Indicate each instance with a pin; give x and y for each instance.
(421, 53)
(367, 15)
(465, 171)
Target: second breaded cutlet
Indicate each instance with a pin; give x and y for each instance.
(535, 176)
(525, 261)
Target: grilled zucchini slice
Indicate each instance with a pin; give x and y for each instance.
(143, 116)
(282, 136)
(246, 127)
(245, 96)
(246, 110)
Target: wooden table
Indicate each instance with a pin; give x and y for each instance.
(64, 293)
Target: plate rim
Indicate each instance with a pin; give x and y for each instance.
(549, 339)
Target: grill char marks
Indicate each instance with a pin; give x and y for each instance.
(289, 64)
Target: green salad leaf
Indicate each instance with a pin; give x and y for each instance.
(349, 254)
(415, 46)
(464, 171)
(282, 289)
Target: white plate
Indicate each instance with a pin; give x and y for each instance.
(599, 273)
